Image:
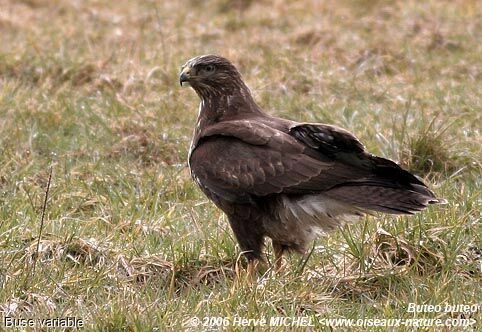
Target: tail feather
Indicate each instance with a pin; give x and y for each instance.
(389, 188)
(386, 197)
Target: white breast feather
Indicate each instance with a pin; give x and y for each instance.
(317, 214)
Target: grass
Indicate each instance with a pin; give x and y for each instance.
(128, 241)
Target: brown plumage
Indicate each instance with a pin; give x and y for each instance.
(282, 179)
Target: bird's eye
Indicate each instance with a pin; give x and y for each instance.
(208, 69)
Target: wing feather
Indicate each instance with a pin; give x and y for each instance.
(240, 159)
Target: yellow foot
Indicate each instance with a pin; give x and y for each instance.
(250, 275)
(278, 257)
(279, 266)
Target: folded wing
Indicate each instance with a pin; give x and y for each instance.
(239, 160)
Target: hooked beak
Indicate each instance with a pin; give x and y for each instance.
(185, 75)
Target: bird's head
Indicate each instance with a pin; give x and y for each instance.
(211, 75)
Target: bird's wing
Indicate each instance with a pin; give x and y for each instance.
(377, 183)
(326, 138)
(240, 159)
(236, 159)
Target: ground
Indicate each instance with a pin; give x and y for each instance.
(90, 93)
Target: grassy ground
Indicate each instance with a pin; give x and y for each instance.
(90, 89)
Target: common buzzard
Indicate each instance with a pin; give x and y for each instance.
(281, 179)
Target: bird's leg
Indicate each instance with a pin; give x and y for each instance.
(252, 269)
(278, 250)
(256, 266)
(250, 238)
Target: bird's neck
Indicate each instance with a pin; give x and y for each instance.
(223, 108)
(218, 108)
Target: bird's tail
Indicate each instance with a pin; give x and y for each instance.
(389, 189)
(384, 197)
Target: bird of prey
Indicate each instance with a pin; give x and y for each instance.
(282, 179)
